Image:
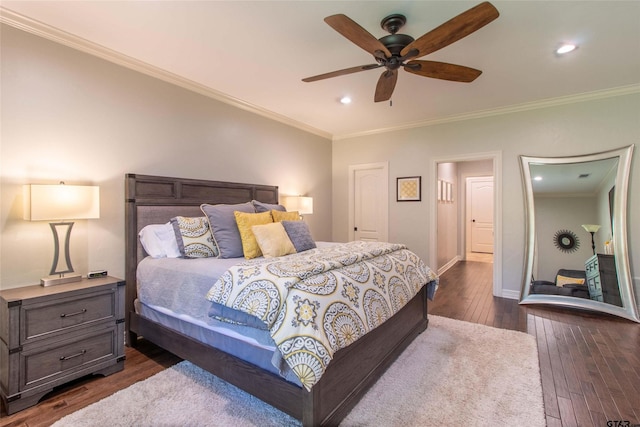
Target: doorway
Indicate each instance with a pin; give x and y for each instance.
(465, 166)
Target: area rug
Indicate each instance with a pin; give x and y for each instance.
(455, 373)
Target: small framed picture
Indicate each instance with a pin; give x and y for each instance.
(409, 189)
(439, 190)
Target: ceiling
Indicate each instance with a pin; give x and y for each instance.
(254, 54)
(579, 178)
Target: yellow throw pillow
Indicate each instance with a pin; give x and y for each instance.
(273, 240)
(245, 221)
(564, 280)
(285, 216)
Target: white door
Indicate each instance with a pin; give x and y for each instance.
(370, 202)
(480, 213)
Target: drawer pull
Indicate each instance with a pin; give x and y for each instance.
(73, 355)
(84, 310)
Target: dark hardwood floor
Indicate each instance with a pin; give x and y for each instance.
(589, 363)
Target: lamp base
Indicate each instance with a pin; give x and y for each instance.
(59, 280)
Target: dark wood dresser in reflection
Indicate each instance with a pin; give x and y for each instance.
(602, 279)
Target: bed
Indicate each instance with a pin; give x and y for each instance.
(157, 199)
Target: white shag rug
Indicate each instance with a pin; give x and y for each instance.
(455, 373)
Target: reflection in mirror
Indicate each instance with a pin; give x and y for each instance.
(577, 253)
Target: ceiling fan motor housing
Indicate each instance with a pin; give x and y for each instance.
(396, 42)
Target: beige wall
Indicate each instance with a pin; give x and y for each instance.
(579, 128)
(73, 117)
(70, 116)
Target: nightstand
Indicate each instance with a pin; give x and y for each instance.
(51, 335)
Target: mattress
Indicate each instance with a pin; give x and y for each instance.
(171, 291)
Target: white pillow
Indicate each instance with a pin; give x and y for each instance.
(159, 241)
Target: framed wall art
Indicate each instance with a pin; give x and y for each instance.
(409, 189)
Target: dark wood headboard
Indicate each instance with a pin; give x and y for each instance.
(156, 199)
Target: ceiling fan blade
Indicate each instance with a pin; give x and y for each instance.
(442, 70)
(342, 72)
(356, 34)
(385, 86)
(453, 30)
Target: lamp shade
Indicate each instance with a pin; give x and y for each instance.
(591, 228)
(61, 202)
(304, 205)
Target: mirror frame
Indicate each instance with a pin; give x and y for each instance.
(629, 309)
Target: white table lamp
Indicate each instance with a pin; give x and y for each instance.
(59, 203)
(302, 204)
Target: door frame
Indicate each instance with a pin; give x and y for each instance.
(384, 193)
(496, 157)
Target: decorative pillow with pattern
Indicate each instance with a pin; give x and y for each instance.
(194, 237)
(299, 234)
(245, 221)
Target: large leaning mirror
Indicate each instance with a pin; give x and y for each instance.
(576, 253)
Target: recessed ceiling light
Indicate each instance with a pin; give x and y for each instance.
(537, 178)
(345, 100)
(566, 48)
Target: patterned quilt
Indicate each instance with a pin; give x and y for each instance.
(319, 301)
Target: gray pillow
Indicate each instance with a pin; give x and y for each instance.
(299, 234)
(222, 223)
(266, 207)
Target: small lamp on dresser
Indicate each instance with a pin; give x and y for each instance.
(59, 203)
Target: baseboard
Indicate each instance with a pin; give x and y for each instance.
(448, 265)
(510, 294)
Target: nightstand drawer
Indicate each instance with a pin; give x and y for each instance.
(48, 363)
(45, 319)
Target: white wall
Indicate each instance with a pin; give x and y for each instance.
(70, 116)
(563, 130)
(448, 228)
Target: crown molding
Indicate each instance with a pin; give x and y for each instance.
(48, 32)
(536, 105)
(43, 30)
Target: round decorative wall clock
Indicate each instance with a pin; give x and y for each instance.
(566, 241)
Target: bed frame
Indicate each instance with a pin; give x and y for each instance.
(156, 199)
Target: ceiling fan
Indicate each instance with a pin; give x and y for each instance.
(398, 50)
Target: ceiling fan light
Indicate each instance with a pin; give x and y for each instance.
(566, 48)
